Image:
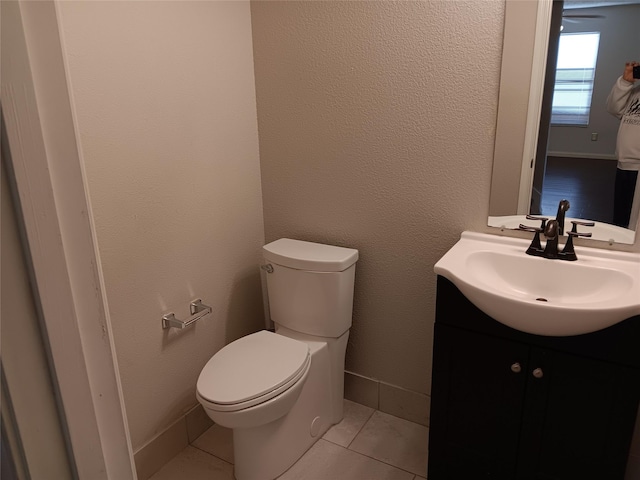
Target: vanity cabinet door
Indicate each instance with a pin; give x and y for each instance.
(568, 415)
(578, 419)
(477, 402)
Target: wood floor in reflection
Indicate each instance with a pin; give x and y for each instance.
(587, 184)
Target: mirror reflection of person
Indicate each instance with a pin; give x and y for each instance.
(624, 103)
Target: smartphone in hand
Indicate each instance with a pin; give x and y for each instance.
(636, 71)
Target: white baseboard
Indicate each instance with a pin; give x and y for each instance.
(594, 156)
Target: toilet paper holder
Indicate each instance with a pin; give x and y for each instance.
(197, 309)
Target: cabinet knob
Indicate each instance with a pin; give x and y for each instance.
(538, 373)
(516, 368)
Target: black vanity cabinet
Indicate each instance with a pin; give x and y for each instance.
(513, 406)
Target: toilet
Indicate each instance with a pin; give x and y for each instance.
(280, 392)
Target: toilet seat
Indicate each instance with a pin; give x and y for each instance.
(252, 370)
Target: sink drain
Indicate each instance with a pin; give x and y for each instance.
(541, 299)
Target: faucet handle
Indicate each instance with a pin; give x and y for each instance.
(529, 228)
(536, 247)
(569, 253)
(578, 234)
(543, 220)
(574, 229)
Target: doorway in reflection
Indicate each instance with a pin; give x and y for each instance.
(590, 181)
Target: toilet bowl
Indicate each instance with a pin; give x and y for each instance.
(269, 437)
(254, 380)
(281, 391)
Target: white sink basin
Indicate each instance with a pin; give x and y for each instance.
(541, 296)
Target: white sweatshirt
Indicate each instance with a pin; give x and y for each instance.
(624, 103)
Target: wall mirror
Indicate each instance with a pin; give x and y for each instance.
(540, 159)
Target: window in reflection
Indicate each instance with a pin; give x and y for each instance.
(575, 72)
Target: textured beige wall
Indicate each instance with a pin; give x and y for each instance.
(377, 124)
(165, 105)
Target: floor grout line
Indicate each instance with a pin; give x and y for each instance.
(377, 459)
(381, 461)
(209, 453)
(360, 430)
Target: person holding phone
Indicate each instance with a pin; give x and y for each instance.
(624, 103)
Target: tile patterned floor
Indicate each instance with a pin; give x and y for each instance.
(366, 445)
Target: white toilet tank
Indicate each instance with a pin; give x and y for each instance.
(310, 286)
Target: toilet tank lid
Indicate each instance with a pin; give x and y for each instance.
(311, 256)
